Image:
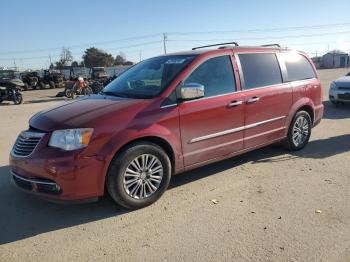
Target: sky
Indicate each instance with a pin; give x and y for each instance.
(33, 31)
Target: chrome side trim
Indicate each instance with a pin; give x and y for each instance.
(35, 181)
(234, 130)
(264, 122)
(222, 133)
(167, 106)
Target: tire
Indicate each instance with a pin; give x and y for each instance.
(120, 185)
(87, 91)
(52, 84)
(301, 135)
(17, 99)
(25, 87)
(69, 93)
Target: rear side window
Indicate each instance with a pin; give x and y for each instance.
(216, 75)
(260, 70)
(298, 67)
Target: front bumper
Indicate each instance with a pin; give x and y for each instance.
(57, 175)
(337, 95)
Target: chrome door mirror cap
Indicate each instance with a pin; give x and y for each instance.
(191, 91)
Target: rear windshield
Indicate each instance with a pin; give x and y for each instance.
(148, 78)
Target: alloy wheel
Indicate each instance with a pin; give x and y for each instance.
(143, 176)
(300, 131)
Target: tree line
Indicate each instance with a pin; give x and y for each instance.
(93, 57)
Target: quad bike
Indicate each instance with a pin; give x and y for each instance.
(52, 78)
(80, 87)
(30, 80)
(10, 90)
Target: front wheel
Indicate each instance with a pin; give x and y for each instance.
(17, 98)
(139, 175)
(299, 131)
(69, 93)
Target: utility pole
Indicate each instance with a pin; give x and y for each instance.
(14, 63)
(164, 42)
(50, 59)
(140, 55)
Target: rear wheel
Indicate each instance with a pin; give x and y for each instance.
(299, 131)
(87, 91)
(52, 84)
(139, 175)
(25, 87)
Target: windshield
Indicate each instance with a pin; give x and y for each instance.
(148, 78)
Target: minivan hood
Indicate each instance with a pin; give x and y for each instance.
(84, 112)
(343, 81)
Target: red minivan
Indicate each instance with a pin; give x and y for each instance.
(166, 115)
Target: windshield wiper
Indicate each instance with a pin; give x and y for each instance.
(110, 93)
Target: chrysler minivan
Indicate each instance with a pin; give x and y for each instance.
(167, 115)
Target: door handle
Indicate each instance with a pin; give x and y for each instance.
(235, 103)
(253, 100)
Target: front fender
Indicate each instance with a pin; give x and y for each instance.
(126, 136)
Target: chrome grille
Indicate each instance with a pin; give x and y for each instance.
(26, 143)
(344, 88)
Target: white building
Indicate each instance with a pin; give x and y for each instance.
(335, 59)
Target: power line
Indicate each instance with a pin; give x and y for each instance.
(75, 54)
(258, 38)
(83, 45)
(276, 29)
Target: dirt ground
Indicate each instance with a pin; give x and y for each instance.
(265, 211)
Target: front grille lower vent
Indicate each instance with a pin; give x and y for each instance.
(26, 143)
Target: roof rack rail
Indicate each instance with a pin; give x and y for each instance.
(277, 45)
(230, 43)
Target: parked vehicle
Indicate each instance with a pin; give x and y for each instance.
(80, 87)
(52, 79)
(76, 72)
(166, 115)
(7, 74)
(99, 79)
(30, 80)
(10, 90)
(98, 73)
(339, 91)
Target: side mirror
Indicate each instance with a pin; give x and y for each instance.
(191, 91)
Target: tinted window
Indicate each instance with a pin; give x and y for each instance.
(260, 70)
(216, 75)
(298, 67)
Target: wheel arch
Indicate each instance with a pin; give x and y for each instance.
(309, 110)
(160, 141)
(302, 104)
(163, 143)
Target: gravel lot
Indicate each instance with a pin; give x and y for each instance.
(266, 210)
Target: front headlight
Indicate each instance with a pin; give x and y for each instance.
(333, 86)
(71, 139)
